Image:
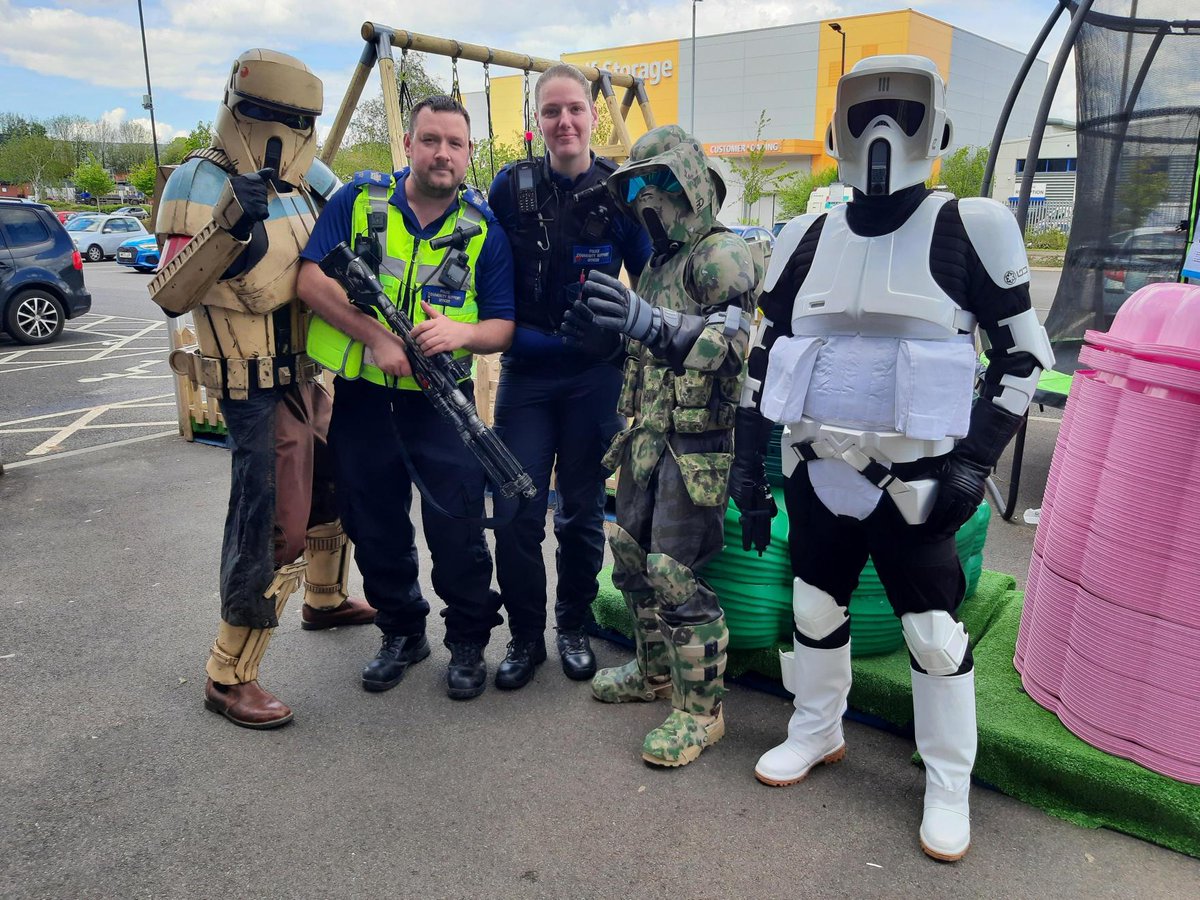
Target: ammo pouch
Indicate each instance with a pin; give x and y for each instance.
(238, 378)
(627, 400)
(705, 475)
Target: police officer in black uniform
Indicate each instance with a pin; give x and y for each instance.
(556, 406)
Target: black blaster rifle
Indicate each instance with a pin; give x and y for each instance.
(436, 375)
(756, 517)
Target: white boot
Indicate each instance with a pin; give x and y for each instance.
(820, 679)
(944, 723)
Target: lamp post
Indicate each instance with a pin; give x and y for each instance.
(148, 100)
(838, 28)
(693, 125)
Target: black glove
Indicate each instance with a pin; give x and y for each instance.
(251, 193)
(748, 484)
(617, 308)
(598, 343)
(961, 485)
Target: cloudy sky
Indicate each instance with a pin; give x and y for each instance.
(85, 56)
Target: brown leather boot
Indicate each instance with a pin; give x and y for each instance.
(350, 612)
(247, 705)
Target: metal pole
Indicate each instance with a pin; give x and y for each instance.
(149, 104)
(692, 127)
(989, 170)
(843, 34)
(1043, 113)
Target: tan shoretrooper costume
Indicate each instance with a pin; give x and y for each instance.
(233, 238)
(688, 340)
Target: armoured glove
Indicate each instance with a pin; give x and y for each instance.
(615, 307)
(961, 483)
(251, 193)
(748, 478)
(964, 472)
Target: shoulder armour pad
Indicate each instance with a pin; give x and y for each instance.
(367, 176)
(993, 232)
(189, 196)
(322, 180)
(721, 269)
(785, 245)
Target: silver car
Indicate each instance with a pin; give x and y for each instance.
(98, 236)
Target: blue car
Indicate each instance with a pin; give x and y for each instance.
(139, 252)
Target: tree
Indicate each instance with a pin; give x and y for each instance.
(33, 159)
(364, 156)
(13, 125)
(369, 123)
(758, 179)
(491, 155)
(142, 176)
(962, 171)
(793, 199)
(93, 178)
(72, 131)
(199, 138)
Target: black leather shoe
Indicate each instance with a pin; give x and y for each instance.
(466, 676)
(397, 653)
(578, 660)
(522, 659)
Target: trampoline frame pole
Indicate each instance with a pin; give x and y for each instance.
(1039, 124)
(989, 169)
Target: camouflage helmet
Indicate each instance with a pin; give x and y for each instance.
(687, 212)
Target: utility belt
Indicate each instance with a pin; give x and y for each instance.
(238, 378)
(913, 498)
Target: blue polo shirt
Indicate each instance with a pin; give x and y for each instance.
(629, 239)
(493, 271)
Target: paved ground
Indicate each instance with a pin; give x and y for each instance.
(117, 783)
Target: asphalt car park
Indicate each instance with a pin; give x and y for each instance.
(104, 380)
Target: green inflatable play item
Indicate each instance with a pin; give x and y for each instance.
(756, 593)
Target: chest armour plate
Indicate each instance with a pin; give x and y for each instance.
(878, 286)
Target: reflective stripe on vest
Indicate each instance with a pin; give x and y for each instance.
(404, 287)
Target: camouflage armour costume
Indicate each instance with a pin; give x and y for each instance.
(681, 387)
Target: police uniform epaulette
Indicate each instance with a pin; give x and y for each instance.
(603, 162)
(367, 176)
(475, 199)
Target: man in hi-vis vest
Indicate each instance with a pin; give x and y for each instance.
(382, 423)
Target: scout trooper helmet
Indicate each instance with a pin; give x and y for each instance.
(268, 116)
(889, 123)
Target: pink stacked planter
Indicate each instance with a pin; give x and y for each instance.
(1110, 632)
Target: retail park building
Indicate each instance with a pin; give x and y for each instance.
(790, 72)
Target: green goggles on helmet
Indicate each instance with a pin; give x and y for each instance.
(663, 179)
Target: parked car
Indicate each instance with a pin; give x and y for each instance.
(138, 212)
(98, 237)
(139, 252)
(1148, 254)
(754, 233)
(41, 274)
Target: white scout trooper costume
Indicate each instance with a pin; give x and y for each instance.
(233, 237)
(866, 353)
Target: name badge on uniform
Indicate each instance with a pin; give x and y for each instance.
(599, 255)
(436, 295)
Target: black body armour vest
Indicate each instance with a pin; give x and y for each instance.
(563, 240)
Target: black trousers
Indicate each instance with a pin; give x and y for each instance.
(370, 424)
(919, 568)
(560, 421)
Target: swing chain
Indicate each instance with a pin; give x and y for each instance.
(487, 96)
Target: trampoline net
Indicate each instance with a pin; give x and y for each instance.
(1137, 74)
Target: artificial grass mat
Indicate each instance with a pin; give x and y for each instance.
(1024, 750)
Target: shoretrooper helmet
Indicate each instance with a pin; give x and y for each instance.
(889, 123)
(668, 185)
(268, 116)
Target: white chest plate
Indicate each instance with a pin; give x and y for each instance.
(877, 286)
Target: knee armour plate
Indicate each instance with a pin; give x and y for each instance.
(816, 613)
(936, 640)
(671, 579)
(628, 556)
